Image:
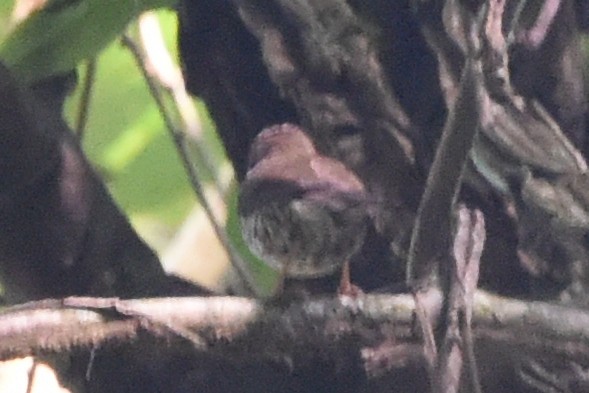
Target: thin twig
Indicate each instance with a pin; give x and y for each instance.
(163, 69)
(534, 36)
(179, 141)
(458, 346)
(430, 238)
(515, 20)
(85, 98)
(430, 350)
(31, 376)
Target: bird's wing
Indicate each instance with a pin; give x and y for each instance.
(334, 185)
(284, 178)
(328, 170)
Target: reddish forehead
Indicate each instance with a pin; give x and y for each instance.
(284, 138)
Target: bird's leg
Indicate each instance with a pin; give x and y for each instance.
(346, 288)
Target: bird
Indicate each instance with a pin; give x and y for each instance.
(303, 213)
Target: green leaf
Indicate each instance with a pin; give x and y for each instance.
(131, 142)
(56, 38)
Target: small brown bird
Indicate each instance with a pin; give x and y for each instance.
(303, 213)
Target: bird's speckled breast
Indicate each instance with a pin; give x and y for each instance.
(275, 234)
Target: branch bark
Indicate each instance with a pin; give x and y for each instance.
(231, 326)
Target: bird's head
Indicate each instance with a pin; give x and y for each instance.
(283, 139)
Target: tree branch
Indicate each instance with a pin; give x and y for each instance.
(232, 326)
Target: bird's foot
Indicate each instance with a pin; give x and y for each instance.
(346, 288)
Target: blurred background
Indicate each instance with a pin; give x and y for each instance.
(126, 140)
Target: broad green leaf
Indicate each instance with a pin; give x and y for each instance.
(131, 142)
(126, 139)
(56, 38)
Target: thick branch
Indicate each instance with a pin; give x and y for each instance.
(232, 326)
